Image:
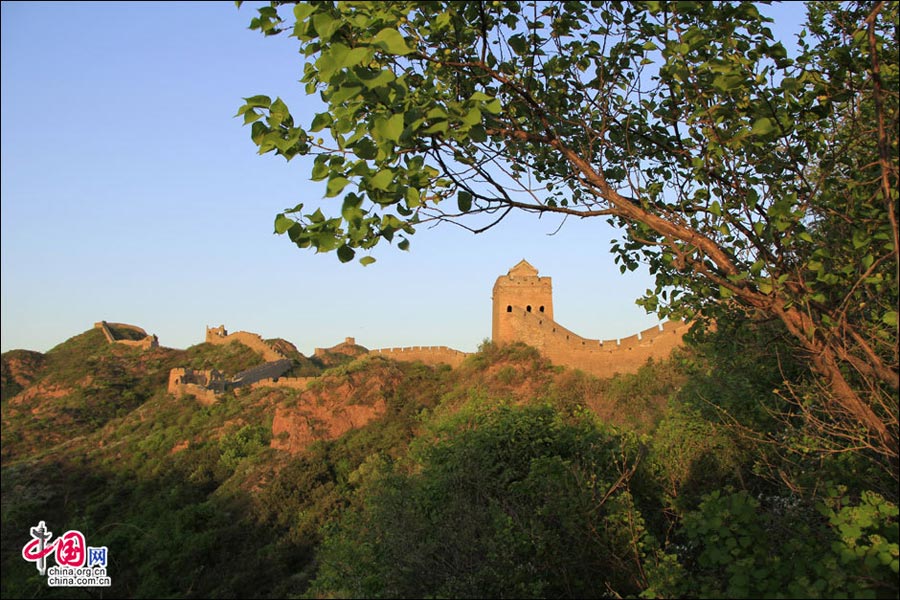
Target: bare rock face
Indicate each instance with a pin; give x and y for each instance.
(334, 405)
(18, 369)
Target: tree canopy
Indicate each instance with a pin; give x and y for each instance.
(750, 181)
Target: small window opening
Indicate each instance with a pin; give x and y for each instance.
(528, 308)
(542, 309)
(509, 308)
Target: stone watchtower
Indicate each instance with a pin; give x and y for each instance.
(519, 290)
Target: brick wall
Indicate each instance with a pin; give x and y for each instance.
(430, 355)
(251, 340)
(603, 358)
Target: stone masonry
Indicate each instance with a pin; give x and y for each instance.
(523, 312)
(146, 342)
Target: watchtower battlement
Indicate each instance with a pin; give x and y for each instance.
(521, 288)
(523, 312)
(214, 334)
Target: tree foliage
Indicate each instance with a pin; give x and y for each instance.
(749, 180)
(506, 502)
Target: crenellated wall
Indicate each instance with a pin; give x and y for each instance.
(429, 355)
(523, 312)
(218, 335)
(603, 358)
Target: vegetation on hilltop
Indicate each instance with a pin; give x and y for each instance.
(507, 473)
(84, 382)
(228, 359)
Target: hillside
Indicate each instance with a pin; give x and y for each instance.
(390, 479)
(81, 384)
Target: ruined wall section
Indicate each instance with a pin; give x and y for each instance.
(219, 336)
(145, 343)
(429, 355)
(106, 332)
(603, 358)
(205, 385)
(269, 370)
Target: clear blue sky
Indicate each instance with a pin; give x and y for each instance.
(130, 193)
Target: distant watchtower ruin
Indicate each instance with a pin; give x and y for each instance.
(520, 288)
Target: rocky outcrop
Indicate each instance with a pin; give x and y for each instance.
(332, 406)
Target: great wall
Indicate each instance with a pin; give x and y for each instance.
(144, 341)
(522, 312)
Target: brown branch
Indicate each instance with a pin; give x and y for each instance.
(883, 151)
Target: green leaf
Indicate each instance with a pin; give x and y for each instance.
(258, 101)
(251, 116)
(366, 261)
(757, 267)
(335, 186)
(464, 200)
(728, 82)
(763, 126)
(345, 253)
(472, 117)
(518, 43)
(390, 128)
(356, 56)
(867, 261)
(412, 197)
(494, 106)
(382, 180)
(759, 227)
(365, 149)
(320, 122)
(344, 93)
(282, 223)
(890, 318)
(351, 208)
(303, 10)
(377, 79)
(439, 127)
(477, 134)
(325, 25)
(391, 41)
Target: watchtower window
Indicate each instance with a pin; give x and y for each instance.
(541, 309)
(528, 308)
(509, 308)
